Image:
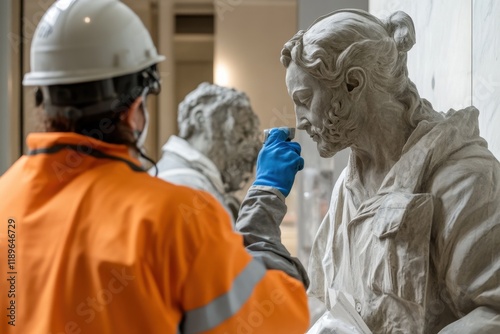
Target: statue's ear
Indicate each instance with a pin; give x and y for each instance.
(355, 82)
(198, 119)
(193, 124)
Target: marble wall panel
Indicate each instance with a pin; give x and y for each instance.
(440, 61)
(486, 69)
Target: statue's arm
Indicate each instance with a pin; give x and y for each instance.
(467, 243)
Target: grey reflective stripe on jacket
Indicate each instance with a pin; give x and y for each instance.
(224, 307)
(259, 222)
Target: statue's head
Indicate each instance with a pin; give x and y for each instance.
(220, 123)
(340, 60)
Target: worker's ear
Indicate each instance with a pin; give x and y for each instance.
(134, 118)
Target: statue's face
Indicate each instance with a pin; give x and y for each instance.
(313, 109)
(236, 149)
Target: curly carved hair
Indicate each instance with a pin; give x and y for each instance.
(354, 38)
(216, 102)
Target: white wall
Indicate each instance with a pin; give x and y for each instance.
(440, 61)
(248, 41)
(455, 60)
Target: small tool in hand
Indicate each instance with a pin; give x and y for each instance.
(291, 134)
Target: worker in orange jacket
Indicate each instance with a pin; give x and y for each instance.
(90, 243)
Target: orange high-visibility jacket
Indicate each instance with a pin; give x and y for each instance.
(90, 243)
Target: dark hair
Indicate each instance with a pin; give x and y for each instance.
(95, 108)
(108, 127)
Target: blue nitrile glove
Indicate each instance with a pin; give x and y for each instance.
(278, 162)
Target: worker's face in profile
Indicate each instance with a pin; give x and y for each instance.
(241, 147)
(316, 109)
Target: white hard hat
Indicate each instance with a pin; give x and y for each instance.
(88, 40)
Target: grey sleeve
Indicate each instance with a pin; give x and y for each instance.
(259, 221)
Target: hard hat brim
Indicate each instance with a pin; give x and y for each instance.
(63, 78)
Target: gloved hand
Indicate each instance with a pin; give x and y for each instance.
(278, 162)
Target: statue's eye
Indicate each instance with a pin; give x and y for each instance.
(305, 101)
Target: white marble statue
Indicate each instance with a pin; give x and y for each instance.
(412, 236)
(217, 145)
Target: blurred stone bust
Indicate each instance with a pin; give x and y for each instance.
(217, 145)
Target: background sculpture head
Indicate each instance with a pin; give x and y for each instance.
(334, 48)
(220, 123)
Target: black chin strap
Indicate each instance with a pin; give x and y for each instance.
(151, 161)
